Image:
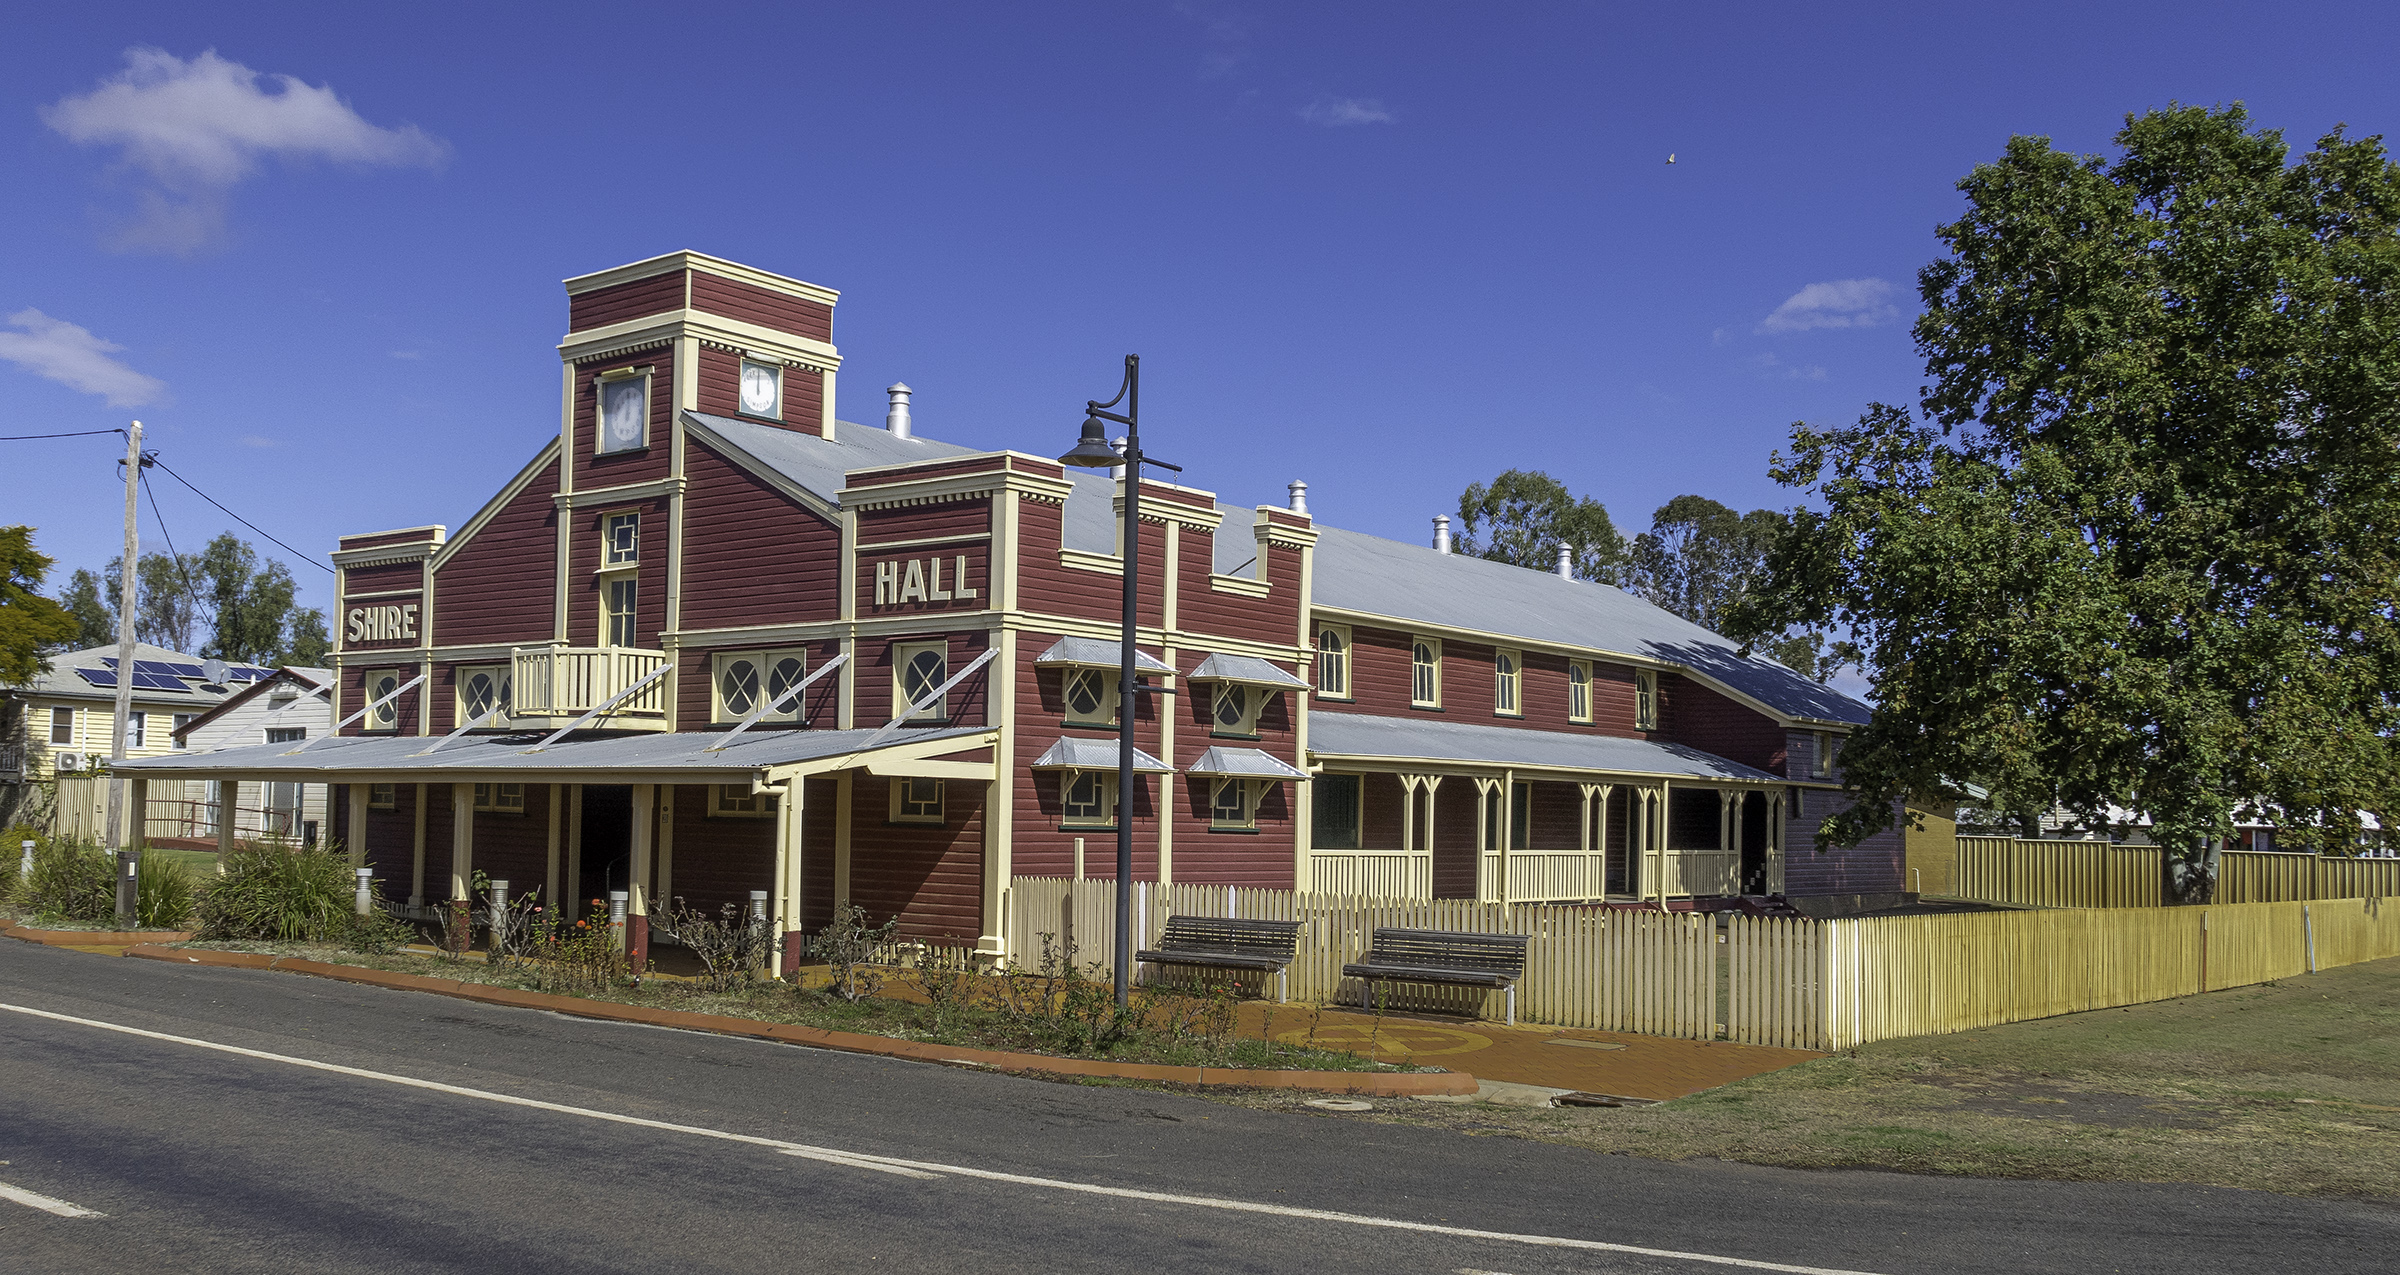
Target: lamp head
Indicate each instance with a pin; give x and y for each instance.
(1092, 450)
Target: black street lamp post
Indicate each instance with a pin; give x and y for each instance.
(1092, 451)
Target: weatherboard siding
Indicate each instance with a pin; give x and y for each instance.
(498, 585)
(716, 294)
(929, 876)
(719, 391)
(751, 554)
(624, 302)
(637, 466)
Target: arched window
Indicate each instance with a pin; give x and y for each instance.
(1425, 673)
(1333, 663)
(1579, 691)
(1508, 676)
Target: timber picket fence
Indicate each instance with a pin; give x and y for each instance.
(2096, 874)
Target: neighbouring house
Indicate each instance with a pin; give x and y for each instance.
(290, 706)
(709, 640)
(59, 725)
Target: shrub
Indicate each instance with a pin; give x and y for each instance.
(72, 880)
(849, 947)
(164, 893)
(731, 947)
(280, 892)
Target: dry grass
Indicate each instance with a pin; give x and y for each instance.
(2291, 1087)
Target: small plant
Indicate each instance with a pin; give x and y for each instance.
(563, 954)
(279, 892)
(71, 881)
(848, 947)
(731, 947)
(948, 980)
(164, 892)
(379, 932)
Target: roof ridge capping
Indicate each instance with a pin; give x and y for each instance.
(688, 259)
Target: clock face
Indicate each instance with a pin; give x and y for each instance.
(622, 406)
(759, 389)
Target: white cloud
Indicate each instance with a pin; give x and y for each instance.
(1840, 303)
(1772, 365)
(1338, 112)
(196, 129)
(73, 357)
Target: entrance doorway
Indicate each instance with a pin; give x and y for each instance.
(607, 842)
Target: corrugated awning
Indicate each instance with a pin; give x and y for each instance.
(1409, 740)
(1246, 669)
(1096, 754)
(1244, 763)
(1082, 652)
(653, 758)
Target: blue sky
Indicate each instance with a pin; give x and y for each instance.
(1389, 249)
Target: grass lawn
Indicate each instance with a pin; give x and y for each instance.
(2290, 1087)
(200, 863)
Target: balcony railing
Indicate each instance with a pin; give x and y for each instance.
(569, 681)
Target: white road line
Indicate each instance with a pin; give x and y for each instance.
(930, 1170)
(45, 1203)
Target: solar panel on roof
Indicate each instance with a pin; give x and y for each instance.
(98, 676)
(166, 668)
(156, 681)
(248, 674)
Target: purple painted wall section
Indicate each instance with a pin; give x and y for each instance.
(1877, 865)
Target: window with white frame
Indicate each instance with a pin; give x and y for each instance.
(1579, 690)
(286, 734)
(918, 669)
(762, 389)
(176, 736)
(485, 689)
(619, 601)
(383, 796)
(1645, 700)
(624, 411)
(1822, 763)
(62, 726)
(1508, 684)
(500, 799)
(737, 801)
(1234, 709)
(1090, 698)
(620, 540)
(380, 685)
(916, 799)
(1333, 661)
(137, 729)
(1232, 805)
(1425, 672)
(746, 681)
(1087, 799)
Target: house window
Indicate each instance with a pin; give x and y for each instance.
(1645, 700)
(62, 726)
(916, 799)
(137, 730)
(501, 799)
(1508, 684)
(746, 681)
(621, 540)
(1579, 691)
(1333, 662)
(483, 689)
(618, 619)
(736, 801)
(762, 389)
(624, 412)
(1336, 812)
(918, 669)
(383, 796)
(1822, 762)
(176, 739)
(1520, 816)
(1230, 806)
(379, 684)
(1234, 710)
(1425, 673)
(1087, 799)
(286, 734)
(1088, 700)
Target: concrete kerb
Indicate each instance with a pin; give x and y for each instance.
(92, 938)
(1407, 1085)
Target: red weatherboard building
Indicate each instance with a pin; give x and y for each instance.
(668, 655)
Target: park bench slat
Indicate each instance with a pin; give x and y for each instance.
(1461, 959)
(1225, 942)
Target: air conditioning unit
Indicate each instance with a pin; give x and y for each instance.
(70, 763)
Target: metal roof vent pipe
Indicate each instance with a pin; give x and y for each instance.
(896, 420)
(1566, 562)
(1116, 473)
(1299, 492)
(1441, 533)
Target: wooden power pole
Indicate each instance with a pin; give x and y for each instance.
(117, 814)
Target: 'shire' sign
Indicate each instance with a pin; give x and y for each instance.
(921, 580)
(383, 624)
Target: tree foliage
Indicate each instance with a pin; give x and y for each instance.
(1525, 515)
(2141, 548)
(1700, 559)
(95, 619)
(29, 622)
(224, 601)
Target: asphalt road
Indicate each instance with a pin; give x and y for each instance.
(466, 1137)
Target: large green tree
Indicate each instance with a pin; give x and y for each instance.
(1699, 559)
(29, 622)
(2140, 548)
(1522, 518)
(224, 601)
(95, 619)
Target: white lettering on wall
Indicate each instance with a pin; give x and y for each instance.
(920, 580)
(382, 623)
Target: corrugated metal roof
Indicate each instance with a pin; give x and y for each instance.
(1336, 735)
(1071, 753)
(1248, 669)
(819, 465)
(1385, 577)
(62, 682)
(1083, 652)
(1247, 763)
(681, 753)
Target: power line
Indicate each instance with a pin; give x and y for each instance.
(240, 519)
(87, 433)
(191, 592)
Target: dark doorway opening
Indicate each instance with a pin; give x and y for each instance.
(1754, 842)
(607, 840)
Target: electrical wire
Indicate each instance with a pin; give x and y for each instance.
(87, 433)
(191, 592)
(244, 521)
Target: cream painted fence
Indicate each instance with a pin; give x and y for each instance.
(1833, 984)
(1388, 874)
(2096, 874)
(1632, 971)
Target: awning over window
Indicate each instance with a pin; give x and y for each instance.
(1361, 739)
(1082, 652)
(1248, 670)
(1243, 763)
(1096, 754)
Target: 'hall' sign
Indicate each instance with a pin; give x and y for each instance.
(383, 624)
(922, 580)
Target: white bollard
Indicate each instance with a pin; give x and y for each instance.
(25, 864)
(616, 916)
(364, 899)
(499, 904)
(758, 907)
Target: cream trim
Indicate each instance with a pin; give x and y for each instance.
(943, 487)
(686, 259)
(412, 592)
(652, 490)
(382, 556)
(1107, 564)
(665, 328)
(878, 546)
(756, 468)
(1242, 585)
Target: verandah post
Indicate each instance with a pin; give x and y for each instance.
(462, 866)
(637, 878)
(357, 831)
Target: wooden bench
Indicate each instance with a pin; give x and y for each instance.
(1442, 956)
(1223, 942)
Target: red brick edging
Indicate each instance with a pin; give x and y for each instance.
(1411, 1084)
(92, 938)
